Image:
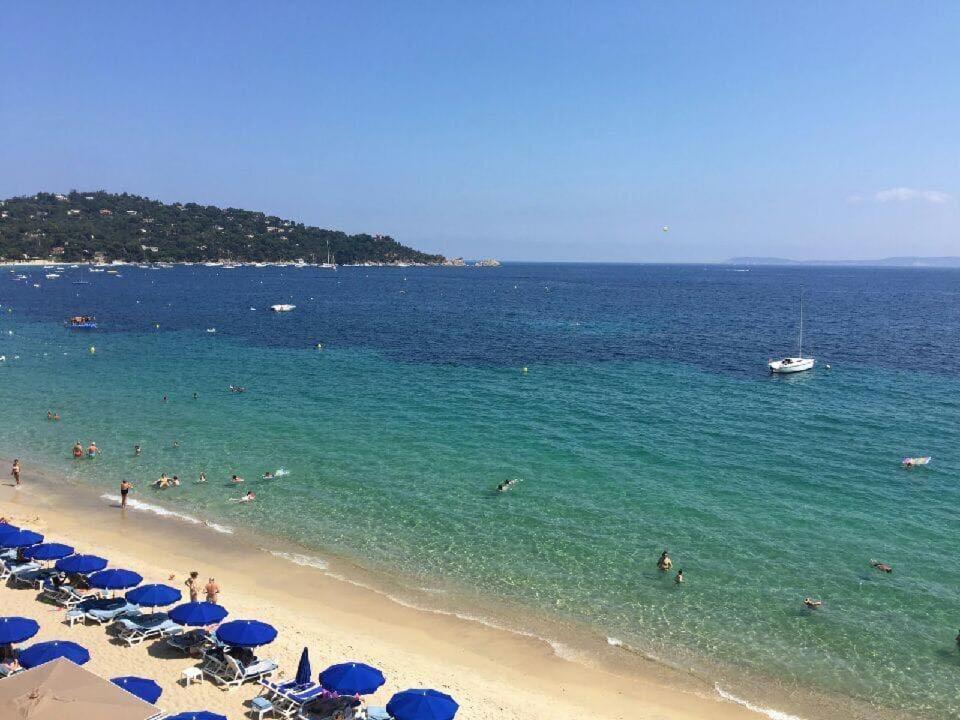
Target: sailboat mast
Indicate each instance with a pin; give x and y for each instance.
(800, 343)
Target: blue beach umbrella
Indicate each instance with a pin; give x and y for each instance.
(303, 669)
(20, 538)
(422, 705)
(17, 629)
(83, 564)
(246, 633)
(155, 595)
(115, 579)
(44, 652)
(48, 551)
(7, 528)
(144, 688)
(196, 715)
(197, 614)
(352, 679)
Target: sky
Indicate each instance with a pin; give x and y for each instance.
(553, 131)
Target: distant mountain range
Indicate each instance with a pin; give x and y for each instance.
(931, 262)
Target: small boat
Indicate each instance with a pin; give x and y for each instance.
(914, 461)
(793, 364)
(81, 322)
(282, 307)
(52, 276)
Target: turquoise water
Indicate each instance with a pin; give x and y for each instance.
(395, 433)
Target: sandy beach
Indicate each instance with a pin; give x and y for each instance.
(491, 673)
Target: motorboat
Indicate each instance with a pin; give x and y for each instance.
(81, 322)
(282, 307)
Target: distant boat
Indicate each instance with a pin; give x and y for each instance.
(52, 276)
(282, 308)
(81, 322)
(330, 264)
(793, 364)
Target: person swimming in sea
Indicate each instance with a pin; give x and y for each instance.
(664, 563)
(93, 450)
(268, 475)
(249, 497)
(176, 444)
(882, 567)
(507, 484)
(202, 478)
(136, 451)
(162, 482)
(77, 449)
(49, 415)
(679, 577)
(811, 603)
(175, 481)
(236, 479)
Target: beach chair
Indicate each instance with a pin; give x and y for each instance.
(66, 596)
(134, 630)
(104, 610)
(31, 578)
(6, 670)
(13, 572)
(289, 698)
(233, 674)
(339, 708)
(189, 641)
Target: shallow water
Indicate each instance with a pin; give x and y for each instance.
(645, 421)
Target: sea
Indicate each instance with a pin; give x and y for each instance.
(633, 405)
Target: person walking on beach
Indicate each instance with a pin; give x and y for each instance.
(125, 486)
(15, 471)
(212, 591)
(193, 585)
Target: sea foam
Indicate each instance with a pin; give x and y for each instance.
(164, 512)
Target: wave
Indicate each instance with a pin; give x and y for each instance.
(770, 713)
(163, 512)
(299, 559)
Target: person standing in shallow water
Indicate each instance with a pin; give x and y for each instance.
(664, 563)
(15, 471)
(125, 486)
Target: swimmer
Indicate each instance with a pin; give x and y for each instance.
(175, 481)
(679, 578)
(136, 451)
(162, 482)
(664, 563)
(883, 567)
(246, 498)
(236, 479)
(56, 416)
(268, 475)
(176, 444)
(507, 484)
(195, 396)
(811, 603)
(92, 450)
(77, 449)
(164, 398)
(202, 478)
(49, 415)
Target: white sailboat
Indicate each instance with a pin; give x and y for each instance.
(330, 264)
(793, 364)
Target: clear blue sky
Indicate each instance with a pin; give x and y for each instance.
(552, 131)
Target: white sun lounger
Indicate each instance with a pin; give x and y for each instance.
(233, 674)
(134, 631)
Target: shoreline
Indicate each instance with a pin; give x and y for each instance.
(493, 672)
